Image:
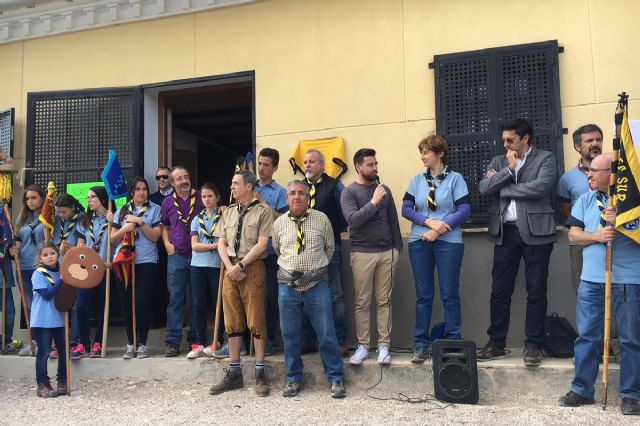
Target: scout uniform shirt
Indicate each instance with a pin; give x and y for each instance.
(257, 222)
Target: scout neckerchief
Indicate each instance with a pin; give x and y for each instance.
(312, 191)
(130, 208)
(431, 183)
(299, 232)
(602, 199)
(192, 206)
(45, 272)
(584, 169)
(70, 224)
(208, 234)
(241, 214)
(32, 230)
(96, 241)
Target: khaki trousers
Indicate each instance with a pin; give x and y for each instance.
(373, 276)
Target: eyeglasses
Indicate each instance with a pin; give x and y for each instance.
(162, 177)
(591, 169)
(91, 197)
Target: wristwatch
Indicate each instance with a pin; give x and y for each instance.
(241, 265)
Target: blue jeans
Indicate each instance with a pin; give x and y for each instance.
(10, 315)
(625, 302)
(85, 297)
(204, 286)
(43, 337)
(316, 304)
(178, 272)
(337, 298)
(447, 258)
(271, 263)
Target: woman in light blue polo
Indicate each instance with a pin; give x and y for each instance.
(141, 217)
(436, 202)
(92, 233)
(29, 235)
(205, 271)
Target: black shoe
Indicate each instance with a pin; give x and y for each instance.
(171, 349)
(532, 356)
(630, 407)
(231, 380)
(572, 399)
(490, 351)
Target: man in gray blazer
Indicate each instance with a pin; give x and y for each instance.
(522, 226)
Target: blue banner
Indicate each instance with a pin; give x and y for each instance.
(113, 177)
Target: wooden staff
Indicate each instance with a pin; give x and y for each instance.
(67, 354)
(622, 103)
(4, 302)
(23, 297)
(107, 296)
(216, 322)
(133, 294)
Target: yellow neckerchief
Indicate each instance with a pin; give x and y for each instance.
(192, 206)
(299, 232)
(313, 190)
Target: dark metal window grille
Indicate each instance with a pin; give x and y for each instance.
(477, 90)
(6, 130)
(69, 134)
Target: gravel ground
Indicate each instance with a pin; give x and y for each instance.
(162, 402)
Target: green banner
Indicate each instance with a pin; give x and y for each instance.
(79, 192)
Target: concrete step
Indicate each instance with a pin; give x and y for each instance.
(495, 378)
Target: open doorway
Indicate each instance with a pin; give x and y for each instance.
(206, 125)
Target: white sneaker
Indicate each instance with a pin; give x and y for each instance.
(130, 353)
(360, 355)
(196, 351)
(27, 351)
(142, 352)
(384, 357)
(209, 350)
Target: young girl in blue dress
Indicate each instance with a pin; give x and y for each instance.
(47, 322)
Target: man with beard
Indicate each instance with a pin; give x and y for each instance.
(376, 244)
(587, 141)
(178, 210)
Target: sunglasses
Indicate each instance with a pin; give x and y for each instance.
(162, 177)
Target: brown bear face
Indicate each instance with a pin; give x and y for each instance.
(82, 267)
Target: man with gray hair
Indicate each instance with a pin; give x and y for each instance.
(324, 196)
(303, 240)
(244, 231)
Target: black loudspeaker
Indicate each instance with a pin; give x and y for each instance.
(455, 371)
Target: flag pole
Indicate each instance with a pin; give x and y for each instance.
(622, 103)
(67, 355)
(4, 301)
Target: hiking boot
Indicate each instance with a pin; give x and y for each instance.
(96, 350)
(532, 356)
(142, 352)
(223, 352)
(78, 352)
(630, 407)
(490, 351)
(384, 357)
(130, 353)
(231, 380)
(337, 389)
(420, 355)
(197, 351)
(291, 389)
(360, 355)
(262, 387)
(344, 350)
(572, 399)
(171, 349)
(61, 388)
(54, 353)
(45, 391)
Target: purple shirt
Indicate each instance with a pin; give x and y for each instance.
(179, 232)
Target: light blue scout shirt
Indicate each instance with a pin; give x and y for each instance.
(43, 312)
(60, 229)
(146, 250)
(32, 235)
(586, 215)
(205, 259)
(276, 197)
(85, 233)
(452, 188)
(572, 185)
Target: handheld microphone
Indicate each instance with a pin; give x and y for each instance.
(376, 180)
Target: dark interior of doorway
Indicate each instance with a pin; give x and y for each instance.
(210, 128)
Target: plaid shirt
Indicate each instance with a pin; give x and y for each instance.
(319, 242)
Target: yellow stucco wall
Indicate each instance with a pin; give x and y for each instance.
(356, 69)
